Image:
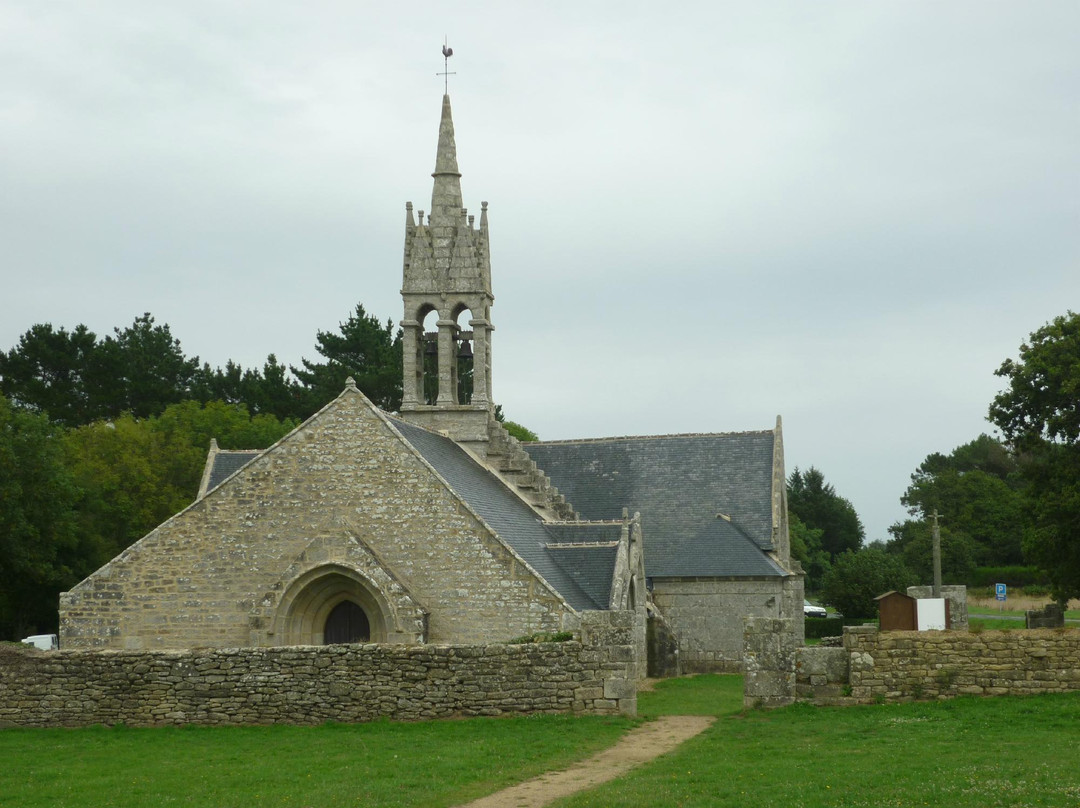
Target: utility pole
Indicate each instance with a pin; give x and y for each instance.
(935, 534)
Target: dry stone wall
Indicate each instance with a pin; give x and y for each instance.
(901, 665)
(314, 684)
(890, 666)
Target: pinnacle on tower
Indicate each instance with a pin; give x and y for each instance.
(446, 194)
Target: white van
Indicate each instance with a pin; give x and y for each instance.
(46, 642)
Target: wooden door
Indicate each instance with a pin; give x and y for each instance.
(346, 623)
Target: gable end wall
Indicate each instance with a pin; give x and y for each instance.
(197, 579)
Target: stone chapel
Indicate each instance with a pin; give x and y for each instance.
(434, 525)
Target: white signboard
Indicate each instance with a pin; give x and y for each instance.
(930, 613)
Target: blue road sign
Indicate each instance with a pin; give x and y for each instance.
(999, 591)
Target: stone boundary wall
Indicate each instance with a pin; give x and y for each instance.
(891, 666)
(904, 665)
(314, 684)
(821, 673)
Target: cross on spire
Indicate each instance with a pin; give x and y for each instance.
(447, 52)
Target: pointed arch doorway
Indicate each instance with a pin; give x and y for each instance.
(331, 604)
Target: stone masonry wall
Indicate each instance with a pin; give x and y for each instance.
(770, 652)
(903, 665)
(342, 487)
(706, 614)
(907, 665)
(313, 684)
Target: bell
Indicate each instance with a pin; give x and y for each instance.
(465, 352)
(431, 348)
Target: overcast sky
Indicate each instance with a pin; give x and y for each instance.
(844, 213)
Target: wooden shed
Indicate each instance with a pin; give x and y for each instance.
(896, 612)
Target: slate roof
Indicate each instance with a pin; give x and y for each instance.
(516, 523)
(227, 462)
(586, 552)
(679, 483)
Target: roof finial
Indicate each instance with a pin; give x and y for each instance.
(446, 53)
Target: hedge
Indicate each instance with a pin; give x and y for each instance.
(1013, 576)
(818, 627)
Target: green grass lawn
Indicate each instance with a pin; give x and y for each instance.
(994, 624)
(440, 763)
(1071, 614)
(964, 752)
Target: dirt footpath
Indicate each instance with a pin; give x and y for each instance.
(636, 747)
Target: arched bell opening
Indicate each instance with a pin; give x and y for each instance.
(464, 354)
(331, 604)
(427, 361)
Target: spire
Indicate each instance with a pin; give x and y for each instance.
(446, 195)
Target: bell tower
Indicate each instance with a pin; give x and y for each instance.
(446, 289)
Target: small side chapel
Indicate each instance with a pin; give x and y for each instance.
(434, 525)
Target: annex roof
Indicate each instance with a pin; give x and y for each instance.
(705, 500)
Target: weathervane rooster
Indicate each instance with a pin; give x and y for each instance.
(447, 52)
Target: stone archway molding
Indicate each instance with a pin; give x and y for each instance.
(329, 570)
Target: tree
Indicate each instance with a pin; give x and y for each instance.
(120, 468)
(134, 473)
(977, 491)
(856, 578)
(1042, 402)
(276, 393)
(363, 349)
(40, 551)
(1039, 415)
(76, 378)
(47, 372)
(520, 432)
(806, 548)
(272, 391)
(147, 367)
(818, 505)
(912, 541)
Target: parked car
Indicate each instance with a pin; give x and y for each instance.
(810, 610)
(46, 642)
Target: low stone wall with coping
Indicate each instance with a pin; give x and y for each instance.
(314, 684)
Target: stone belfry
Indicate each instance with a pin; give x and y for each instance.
(447, 284)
